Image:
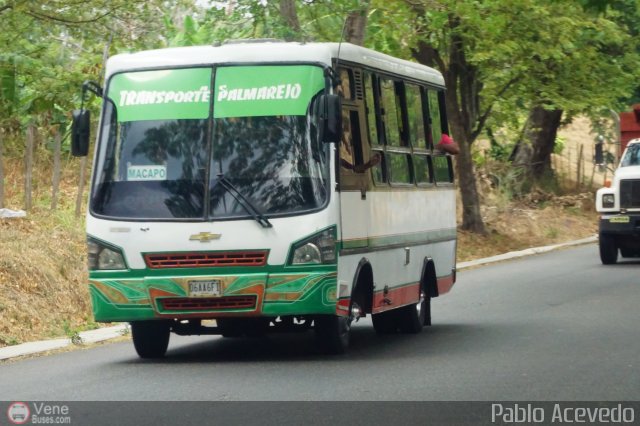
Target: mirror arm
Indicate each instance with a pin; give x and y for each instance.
(92, 87)
(330, 73)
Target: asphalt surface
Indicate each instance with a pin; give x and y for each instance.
(555, 326)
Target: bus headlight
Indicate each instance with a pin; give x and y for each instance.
(103, 257)
(608, 200)
(308, 253)
(315, 250)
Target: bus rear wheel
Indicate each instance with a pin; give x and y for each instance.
(150, 338)
(411, 318)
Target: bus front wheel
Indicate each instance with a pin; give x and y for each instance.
(333, 333)
(150, 338)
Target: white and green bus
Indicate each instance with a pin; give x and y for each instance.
(267, 186)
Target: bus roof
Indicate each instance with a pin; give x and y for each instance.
(257, 51)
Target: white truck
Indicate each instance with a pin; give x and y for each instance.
(619, 209)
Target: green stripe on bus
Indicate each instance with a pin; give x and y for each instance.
(413, 238)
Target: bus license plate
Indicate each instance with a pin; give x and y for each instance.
(209, 288)
(619, 219)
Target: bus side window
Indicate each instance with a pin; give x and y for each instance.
(351, 144)
(390, 113)
(374, 125)
(370, 106)
(423, 169)
(437, 114)
(396, 138)
(415, 116)
(345, 89)
(442, 169)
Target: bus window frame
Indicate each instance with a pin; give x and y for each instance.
(371, 85)
(100, 138)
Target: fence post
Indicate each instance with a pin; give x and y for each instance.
(83, 168)
(56, 169)
(568, 181)
(580, 168)
(28, 165)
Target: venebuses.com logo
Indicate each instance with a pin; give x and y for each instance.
(18, 413)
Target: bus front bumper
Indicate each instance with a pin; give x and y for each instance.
(121, 298)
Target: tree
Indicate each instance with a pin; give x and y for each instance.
(290, 17)
(583, 64)
(457, 38)
(356, 23)
(47, 49)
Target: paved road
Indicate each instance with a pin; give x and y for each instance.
(558, 326)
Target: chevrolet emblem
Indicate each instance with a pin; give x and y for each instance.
(205, 237)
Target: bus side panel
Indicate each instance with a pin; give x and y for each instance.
(405, 227)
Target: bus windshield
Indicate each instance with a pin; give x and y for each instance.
(168, 140)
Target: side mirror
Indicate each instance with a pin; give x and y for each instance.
(330, 109)
(599, 157)
(80, 129)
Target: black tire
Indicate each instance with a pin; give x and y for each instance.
(385, 322)
(333, 333)
(151, 338)
(411, 318)
(608, 249)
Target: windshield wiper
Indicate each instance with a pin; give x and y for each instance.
(244, 201)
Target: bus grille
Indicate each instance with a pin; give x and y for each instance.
(630, 193)
(205, 260)
(208, 303)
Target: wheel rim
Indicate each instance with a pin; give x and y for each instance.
(355, 311)
(420, 304)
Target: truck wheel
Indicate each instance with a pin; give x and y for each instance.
(608, 249)
(150, 338)
(629, 252)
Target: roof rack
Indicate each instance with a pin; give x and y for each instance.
(249, 41)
